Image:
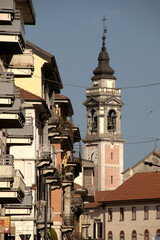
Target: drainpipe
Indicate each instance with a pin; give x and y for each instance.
(104, 223)
(46, 210)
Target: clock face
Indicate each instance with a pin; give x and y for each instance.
(92, 153)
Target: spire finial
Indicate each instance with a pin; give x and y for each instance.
(104, 27)
(104, 30)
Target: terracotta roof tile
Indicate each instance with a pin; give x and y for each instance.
(140, 186)
(29, 96)
(92, 205)
(59, 96)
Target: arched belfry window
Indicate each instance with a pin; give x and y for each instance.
(111, 121)
(94, 120)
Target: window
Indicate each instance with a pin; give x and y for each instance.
(122, 237)
(109, 214)
(158, 234)
(121, 214)
(111, 121)
(158, 211)
(146, 212)
(99, 230)
(111, 179)
(111, 155)
(146, 235)
(110, 235)
(94, 120)
(133, 213)
(134, 235)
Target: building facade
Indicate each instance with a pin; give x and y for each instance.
(129, 212)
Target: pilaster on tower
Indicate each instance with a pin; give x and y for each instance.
(103, 142)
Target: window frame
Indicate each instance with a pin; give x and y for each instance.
(110, 235)
(158, 212)
(146, 212)
(121, 210)
(134, 235)
(110, 214)
(133, 213)
(122, 235)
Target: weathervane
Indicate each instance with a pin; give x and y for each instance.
(104, 27)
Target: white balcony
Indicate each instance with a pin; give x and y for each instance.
(13, 117)
(22, 65)
(44, 156)
(12, 187)
(22, 136)
(7, 8)
(6, 171)
(21, 209)
(12, 37)
(7, 89)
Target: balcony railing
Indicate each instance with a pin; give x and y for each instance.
(26, 203)
(24, 133)
(6, 159)
(42, 211)
(7, 88)
(18, 182)
(13, 116)
(6, 169)
(44, 155)
(12, 37)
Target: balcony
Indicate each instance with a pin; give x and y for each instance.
(64, 134)
(12, 37)
(67, 222)
(12, 187)
(7, 9)
(22, 65)
(43, 213)
(13, 117)
(21, 209)
(53, 177)
(23, 136)
(44, 157)
(7, 89)
(27, 10)
(6, 170)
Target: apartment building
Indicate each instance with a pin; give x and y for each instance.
(38, 159)
(13, 16)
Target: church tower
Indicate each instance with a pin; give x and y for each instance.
(103, 143)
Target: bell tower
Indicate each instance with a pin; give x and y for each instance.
(103, 143)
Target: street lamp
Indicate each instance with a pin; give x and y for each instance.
(150, 164)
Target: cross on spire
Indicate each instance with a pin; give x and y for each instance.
(104, 27)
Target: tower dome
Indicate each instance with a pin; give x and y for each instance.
(103, 70)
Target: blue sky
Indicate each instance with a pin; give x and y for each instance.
(71, 30)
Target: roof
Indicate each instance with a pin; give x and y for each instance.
(59, 96)
(39, 51)
(140, 187)
(92, 205)
(61, 99)
(155, 152)
(29, 96)
(103, 70)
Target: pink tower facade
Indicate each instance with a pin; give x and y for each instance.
(103, 143)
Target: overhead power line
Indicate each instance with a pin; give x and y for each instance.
(80, 86)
